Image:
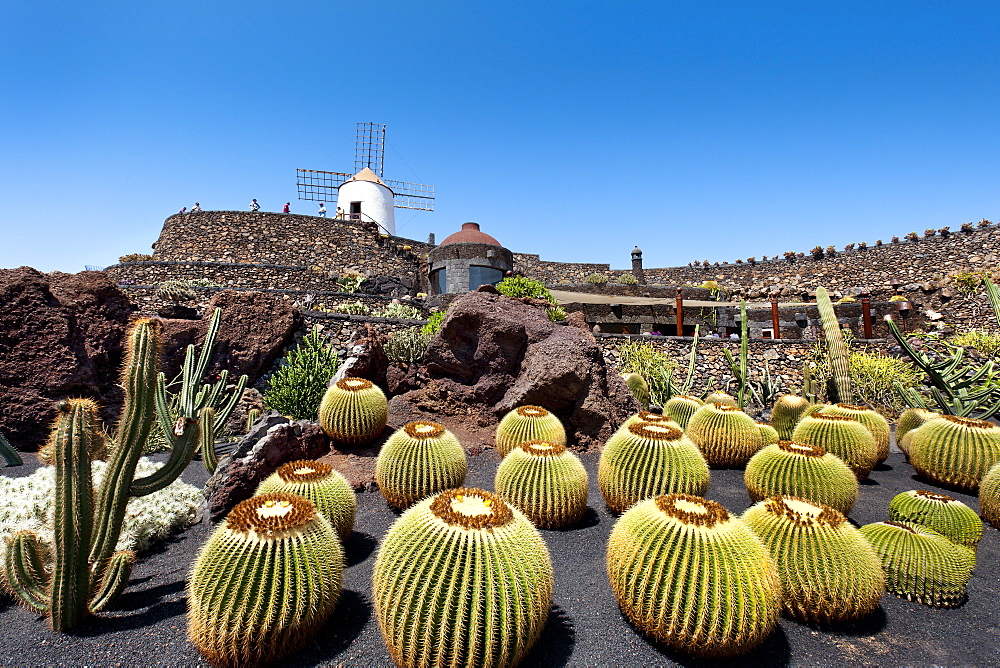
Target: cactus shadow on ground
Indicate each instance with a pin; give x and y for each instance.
(872, 623)
(555, 645)
(352, 613)
(359, 547)
(590, 519)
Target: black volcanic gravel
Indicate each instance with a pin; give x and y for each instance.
(585, 626)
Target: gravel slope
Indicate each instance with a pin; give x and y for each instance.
(585, 626)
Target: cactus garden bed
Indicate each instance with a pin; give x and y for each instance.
(585, 626)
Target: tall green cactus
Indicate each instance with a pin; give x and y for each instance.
(836, 347)
(9, 454)
(87, 574)
(739, 370)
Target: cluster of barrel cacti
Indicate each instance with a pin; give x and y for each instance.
(353, 411)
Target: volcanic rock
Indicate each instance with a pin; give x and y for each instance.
(366, 358)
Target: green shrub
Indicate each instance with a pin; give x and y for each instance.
(519, 286)
(175, 291)
(400, 311)
(642, 358)
(407, 345)
(353, 308)
(985, 342)
(433, 325)
(350, 282)
(628, 279)
(597, 279)
(874, 376)
(297, 387)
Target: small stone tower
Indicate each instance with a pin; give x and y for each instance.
(366, 197)
(637, 271)
(467, 259)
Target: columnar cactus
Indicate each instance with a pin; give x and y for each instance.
(829, 572)
(806, 471)
(842, 436)
(954, 450)
(693, 577)
(323, 485)
(910, 420)
(265, 581)
(876, 424)
(768, 433)
(726, 436)
(9, 454)
(681, 407)
(353, 411)
(721, 399)
(989, 496)
(945, 514)
(646, 416)
(920, 564)
(646, 459)
(528, 423)
(787, 411)
(481, 566)
(639, 388)
(418, 460)
(544, 481)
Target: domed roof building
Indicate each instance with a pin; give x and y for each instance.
(467, 259)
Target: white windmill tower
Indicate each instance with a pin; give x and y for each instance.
(365, 195)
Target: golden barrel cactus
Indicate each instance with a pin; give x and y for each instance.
(954, 451)
(876, 424)
(320, 483)
(418, 460)
(528, 423)
(786, 413)
(353, 411)
(681, 407)
(840, 435)
(544, 481)
(807, 471)
(727, 436)
(945, 514)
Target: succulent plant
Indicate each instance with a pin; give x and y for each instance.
(787, 411)
(693, 577)
(646, 416)
(646, 459)
(800, 470)
(920, 564)
(462, 578)
(945, 514)
(726, 436)
(875, 423)
(320, 483)
(528, 423)
(954, 450)
(768, 433)
(545, 482)
(681, 407)
(265, 581)
(639, 388)
(989, 496)
(910, 420)
(353, 411)
(829, 572)
(721, 399)
(418, 460)
(842, 436)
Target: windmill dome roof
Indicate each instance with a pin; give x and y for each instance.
(470, 234)
(367, 174)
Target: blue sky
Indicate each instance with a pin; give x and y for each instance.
(697, 130)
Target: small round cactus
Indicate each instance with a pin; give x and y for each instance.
(418, 460)
(876, 424)
(954, 451)
(920, 564)
(353, 411)
(638, 386)
(727, 436)
(842, 436)
(805, 471)
(787, 411)
(528, 423)
(545, 482)
(910, 420)
(681, 407)
(989, 496)
(646, 459)
(320, 483)
(646, 416)
(945, 514)
(265, 581)
(721, 399)
(693, 577)
(462, 578)
(768, 433)
(829, 572)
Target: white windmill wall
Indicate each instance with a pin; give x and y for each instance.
(376, 201)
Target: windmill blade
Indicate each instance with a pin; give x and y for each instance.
(411, 195)
(319, 186)
(369, 147)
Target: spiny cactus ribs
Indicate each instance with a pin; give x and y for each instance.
(840, 435)
(954, 451)
(681, 407)
(806, 471)
(873, 421)
(787, 412)
(940, 512)
(546, 482)
(528, 423)
(321, 484)
(353, 411)
(418, 460)
(726, 436)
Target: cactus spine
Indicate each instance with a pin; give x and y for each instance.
(945, 514)
(265, 581)
(87, 573)
(320, 483)
(910, 420)
(726, 436)
(829, 572)
(528, 423)
(841, 436)
(681, 407)
(646, 459)
(787, 412)
(989, 496)
(806, 471)
(639, 388)
(653, 418)
(768, 433)
(418, 460)
(467, 567)
(954, 450)
(836, 347)
(873, 421)
(252, 416)
(693, 577)
(721, 399)
(545, 482)
(920, 564)
(353, 411)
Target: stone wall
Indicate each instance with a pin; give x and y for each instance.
(552, 273)
(225, 274)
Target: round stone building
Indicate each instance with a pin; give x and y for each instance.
(467, 259)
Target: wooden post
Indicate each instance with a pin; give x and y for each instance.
(866, 314)
(775, 321)
(679, 310)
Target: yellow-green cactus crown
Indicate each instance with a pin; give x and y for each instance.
(271, 514)
(471, 508)
(304, 470)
